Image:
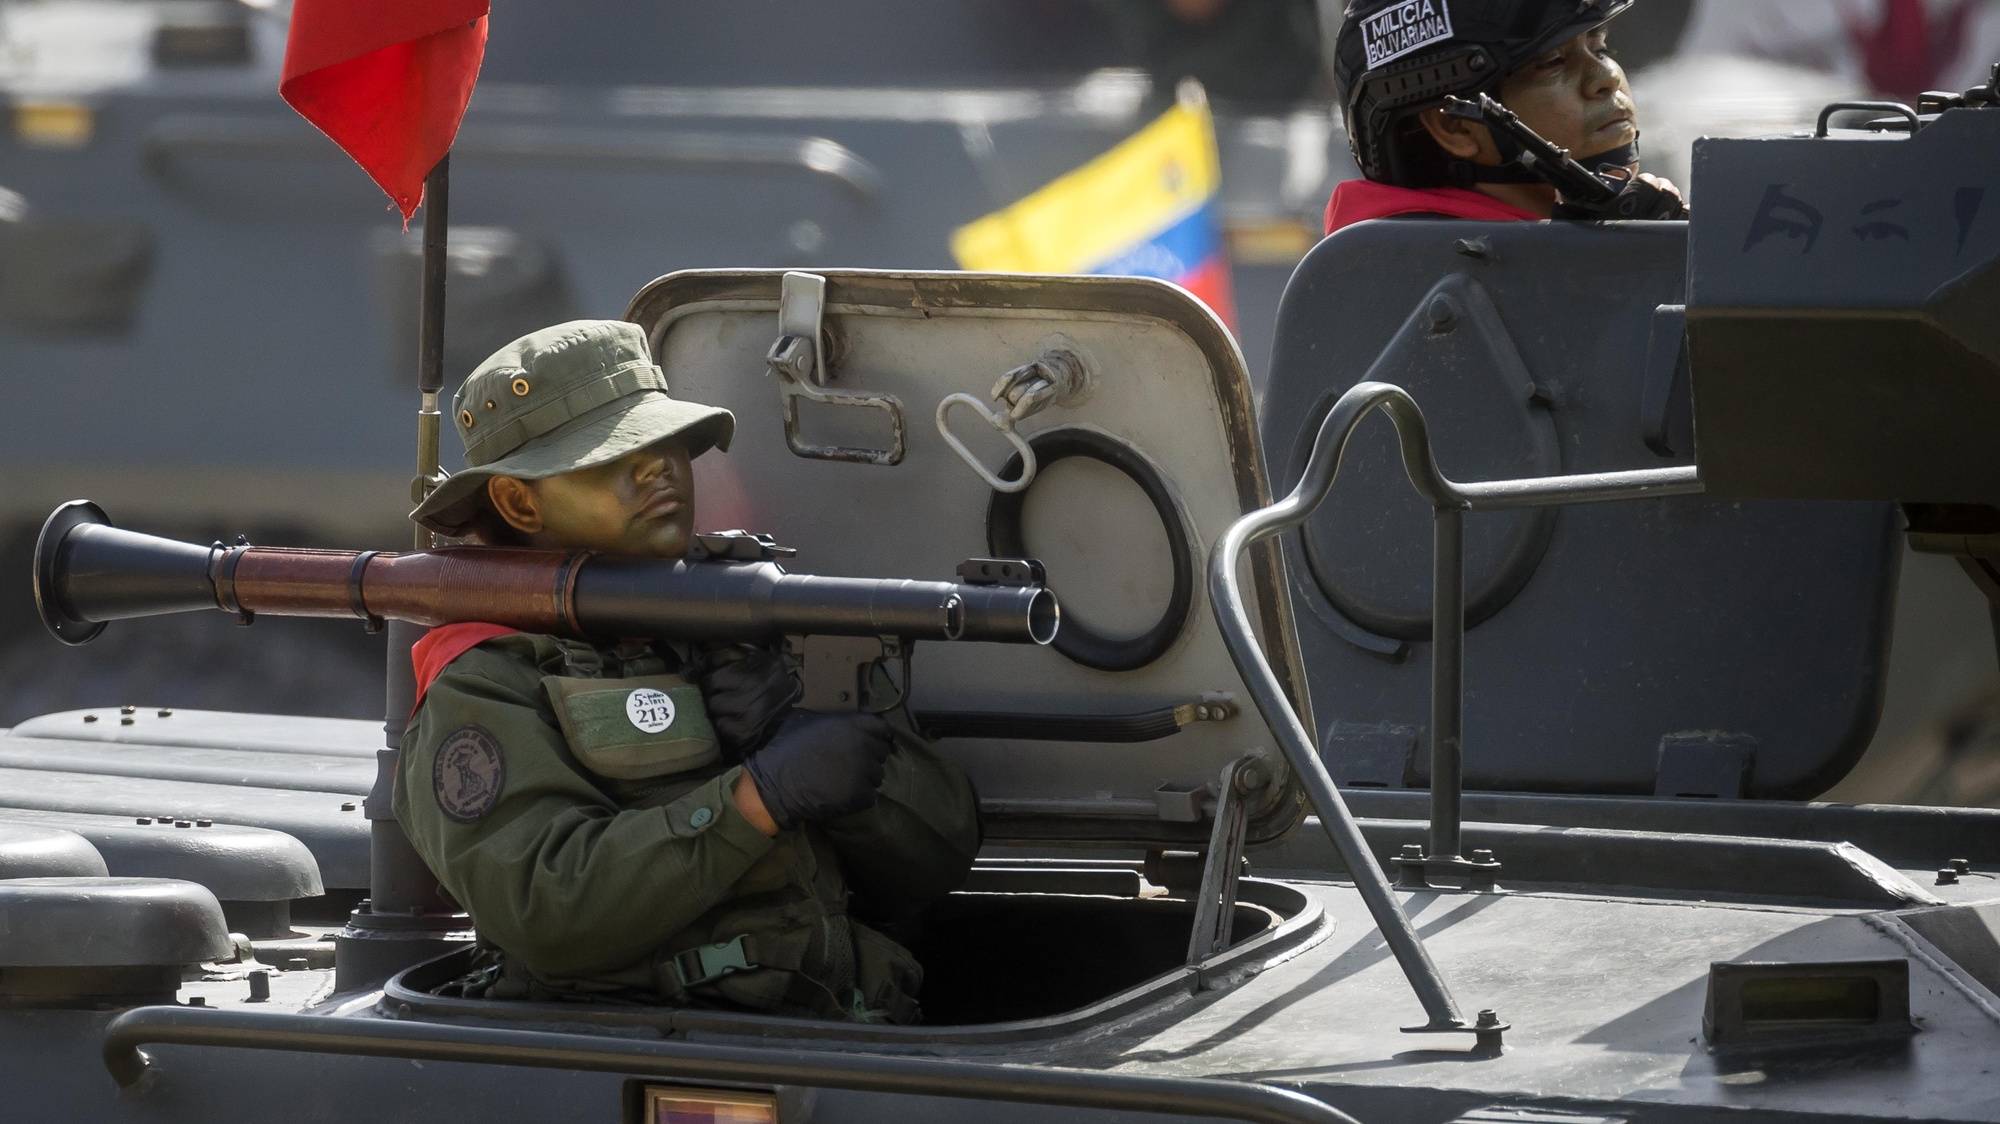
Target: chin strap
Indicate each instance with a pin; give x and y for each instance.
(1464, 173)
(1638, 199)
(1617, 162)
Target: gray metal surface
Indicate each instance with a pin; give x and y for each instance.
(1607, 1023)
(1907, 836)
(44, 851)
(329, 824)
(245, 768)
(1044, 1085)
(1161, 376)
(1641, 863)
(231, 1086)
(1591, 636)
(1840, 314)
(1606, 1000)
(237, 864)
(1600, 970)
(209, 729)
(108, 923)
(1967, 936)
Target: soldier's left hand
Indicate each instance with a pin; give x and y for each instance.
(1664, 200)
(748, 691)
(820, 767)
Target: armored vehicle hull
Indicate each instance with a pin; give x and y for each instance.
(1598, 950)
(1626, 943)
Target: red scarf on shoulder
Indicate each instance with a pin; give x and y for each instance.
(434, 651)
(1360, 200)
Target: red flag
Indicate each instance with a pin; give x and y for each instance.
(387, 80)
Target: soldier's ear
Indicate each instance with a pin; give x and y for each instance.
(516, 503)
(1461, 139)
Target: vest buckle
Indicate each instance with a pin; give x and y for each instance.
(710, 962)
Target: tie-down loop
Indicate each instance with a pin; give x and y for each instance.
(1056, 376)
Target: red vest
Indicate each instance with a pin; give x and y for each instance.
(1359, 200)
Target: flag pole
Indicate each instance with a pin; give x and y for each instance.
(430, 335)
(406, 919)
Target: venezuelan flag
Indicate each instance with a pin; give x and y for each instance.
(1147, 207)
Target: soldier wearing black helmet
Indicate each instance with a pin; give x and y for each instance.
(1398, 61)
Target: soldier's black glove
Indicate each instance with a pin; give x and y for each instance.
(748, 691)
(1646, 197)
(820, 766)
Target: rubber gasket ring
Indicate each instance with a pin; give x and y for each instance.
(1075, 640)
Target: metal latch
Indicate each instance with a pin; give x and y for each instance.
(1056, 375)
(798, 358)
(1215, 901)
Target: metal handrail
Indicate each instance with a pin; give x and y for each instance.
(1826, 115)
(1450, 501)
(686, 1061)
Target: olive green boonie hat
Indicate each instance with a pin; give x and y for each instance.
(565, 398)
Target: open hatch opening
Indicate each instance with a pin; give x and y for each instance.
(996, 965)
(992, 958)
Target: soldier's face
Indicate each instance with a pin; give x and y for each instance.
(640, 504)
(1575, 96)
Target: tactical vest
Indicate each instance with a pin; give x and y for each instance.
(782, 941)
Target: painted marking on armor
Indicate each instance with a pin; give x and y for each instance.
(1395, 32)
(1787, 217)
(469, 774)
(1783, 214)
(649, 710)
(1877, 222)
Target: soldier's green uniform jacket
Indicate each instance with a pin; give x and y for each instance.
(611, 862)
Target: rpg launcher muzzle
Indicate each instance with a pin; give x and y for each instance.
(88, 572)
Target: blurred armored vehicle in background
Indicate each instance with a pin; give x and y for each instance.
(161, 211)
(1660, 469)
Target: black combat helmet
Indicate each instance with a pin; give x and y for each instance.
(1395, 58)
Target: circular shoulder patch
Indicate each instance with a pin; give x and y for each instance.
(468, 773)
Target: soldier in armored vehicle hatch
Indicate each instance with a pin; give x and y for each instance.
(643, 821)
(1398, 62)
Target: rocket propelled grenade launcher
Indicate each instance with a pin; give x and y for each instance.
(88, 572)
